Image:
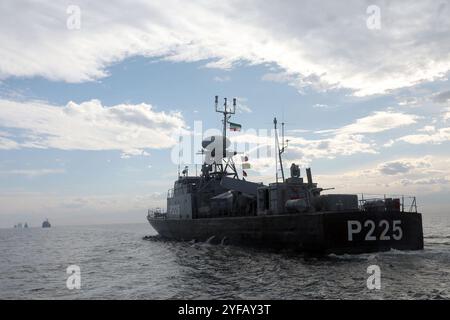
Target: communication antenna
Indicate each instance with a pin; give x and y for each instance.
(283, 145)
(279, 151)
(179, 153)
(227, 162)
(227, 112)
(276, 147)
(282, 128)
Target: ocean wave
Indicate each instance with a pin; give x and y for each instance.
(151, 267)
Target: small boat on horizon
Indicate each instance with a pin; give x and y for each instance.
(46, 224)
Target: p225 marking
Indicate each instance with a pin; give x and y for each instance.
(355, 227)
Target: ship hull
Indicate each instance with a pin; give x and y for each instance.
(323, 232)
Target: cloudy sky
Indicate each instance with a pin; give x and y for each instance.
(94, 94)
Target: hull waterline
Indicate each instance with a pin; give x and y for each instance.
(324, 232)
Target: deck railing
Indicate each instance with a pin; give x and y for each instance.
(156, 213)
(386, 202)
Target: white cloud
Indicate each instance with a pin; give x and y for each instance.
(427, 181)
(403, 166)
(442, 97)
(428, 129)
(447, 114)
(300, 149)
(241, 105)
(319, 44)
(133, 153)
(328, 144)
(88, 126)
(321, 106)
(338, 145)
(424, 100)
(222, 79)
(389, 143)
(436, 136)
(294, 131)
(6, 143)
(409, 101)
(378, 122)
(32, 172)
(415, 176)
(395, 167)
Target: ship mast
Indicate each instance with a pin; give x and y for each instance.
(227, 112)
(279, 150)
(226, 116)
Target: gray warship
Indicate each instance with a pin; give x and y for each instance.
(291, 213)
(46, 224)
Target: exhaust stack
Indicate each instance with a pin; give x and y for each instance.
(309, 176)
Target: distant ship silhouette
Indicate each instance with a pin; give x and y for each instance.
(46, 224)
(20, 226)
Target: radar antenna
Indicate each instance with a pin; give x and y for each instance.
(226, 161)
(226, 116)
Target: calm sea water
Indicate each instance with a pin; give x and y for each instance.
(116, 263)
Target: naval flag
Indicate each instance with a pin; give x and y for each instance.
(235, 126)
